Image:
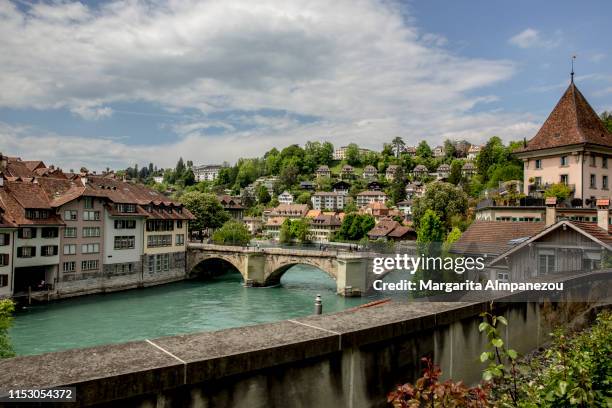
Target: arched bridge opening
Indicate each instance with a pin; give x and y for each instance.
(212, 267)
(313, 270)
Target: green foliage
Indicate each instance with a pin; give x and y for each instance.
(428, 391)
(430, 233)
(263, 196)
(449, 149)
(445, 199)
(7, 307)
(558, 190)
(232, 233)
(606, 117)
(294, 230)
(455, 173)
(496, 163)
(353, 155)
(576, 372)
(502, 361)
(423, 150)
(397, 190)
(303, 198)
(355, 227)
(398, 144)
(452, 237)
(206, 208)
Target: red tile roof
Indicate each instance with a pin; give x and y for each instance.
(494, 237)
(572, 121)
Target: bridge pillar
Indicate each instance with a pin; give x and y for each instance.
(254, 268)
(352, 276)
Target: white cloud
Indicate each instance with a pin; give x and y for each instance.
(532, 38)
(357, 66)
(92, 112)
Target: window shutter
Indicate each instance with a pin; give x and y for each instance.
(33, 251)
(34, 232)
(20, 233)
(55, 250)
(7, 239)
(19, 252)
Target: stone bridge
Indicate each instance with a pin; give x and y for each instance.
(352, 271)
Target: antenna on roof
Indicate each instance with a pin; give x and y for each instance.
(572, 74)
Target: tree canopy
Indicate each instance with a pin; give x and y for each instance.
(206, 208)
(445, 199)
(232, 233)
(7, 307)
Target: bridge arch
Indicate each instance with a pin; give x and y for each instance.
(276, 270)
(201, 261)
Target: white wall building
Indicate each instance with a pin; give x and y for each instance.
(207, 172)
(285, 198)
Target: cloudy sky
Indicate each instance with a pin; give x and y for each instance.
(116, 83)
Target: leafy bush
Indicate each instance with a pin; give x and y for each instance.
(428, 391)
(7, 307)
(232, 233)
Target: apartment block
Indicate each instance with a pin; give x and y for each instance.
(324, 200)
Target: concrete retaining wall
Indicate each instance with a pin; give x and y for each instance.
(347, 359)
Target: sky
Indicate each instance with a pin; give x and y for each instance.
(110, 84)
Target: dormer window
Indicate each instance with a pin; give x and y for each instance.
(126, 208)
(36, 214)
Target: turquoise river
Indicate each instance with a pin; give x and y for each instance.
(182, 307)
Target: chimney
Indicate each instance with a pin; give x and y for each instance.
(551, 211)
(603, 211)
(3, 161)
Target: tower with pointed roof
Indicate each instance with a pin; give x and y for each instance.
(571, 147)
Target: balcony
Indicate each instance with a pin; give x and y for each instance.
(539, 189)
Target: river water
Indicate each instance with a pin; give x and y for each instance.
(182, 307)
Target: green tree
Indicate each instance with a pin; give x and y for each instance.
(445, 199)
(263, 196)
(423, 150)
(7, 307)
(355, 227)
(559, 190)
(397, 190)
(285, 232)
(455, 173)
(303, 198)
(449, 149)
(232, 233)
(398, 145)
(299, 229)
(430, 235)
(206, 208)
(353, 155)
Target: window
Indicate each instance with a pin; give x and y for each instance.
(27, 233)
(69, 266)
(71, 215)
(604, 182)
(179, 224)
(125, 224)
(91, 215)
(538, 164)
(5, 239)
(159, 263)
(593, 181)
(49, 232)
(125, 242)
(70, 232)
(89, 232)
(604, 162)
(180, 239)
(123, 268)
(126, 208)
(502, 276)
(160, 225)
(90, 248)
(36, 214)
(159, 240)
(593, 161)
(546, 262)
(48, 250)
(564, 179)
(88, 202)
(564, 161)
(3, 280)
(69, 249)
(26, 252)
(4, 259)
(90, 265)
